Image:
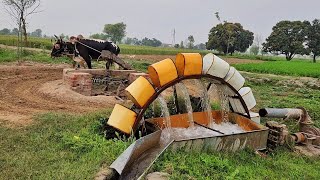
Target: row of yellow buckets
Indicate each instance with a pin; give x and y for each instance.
(162, 73)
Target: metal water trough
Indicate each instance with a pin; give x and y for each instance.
(138, 158)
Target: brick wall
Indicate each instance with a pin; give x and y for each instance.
(79, 82)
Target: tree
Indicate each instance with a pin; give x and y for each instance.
(176, 46)
(15, 31)
(217, 16)
(5, 31)
(190, 41)
(115, 31)
(313, 38)
(136, 41)
(254, 50)
(19, 10)
(99, 36)
(229, 37)
(37, 33)
(151, 42)
(181, 44)
(200, 46)
(287, 38)
(257, 41)
(128, 40)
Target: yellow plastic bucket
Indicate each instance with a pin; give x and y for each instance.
(140, 91)
(189, 64)
(162, 72)
(122, 118)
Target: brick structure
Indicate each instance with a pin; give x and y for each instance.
(79, 82)
(134, 76)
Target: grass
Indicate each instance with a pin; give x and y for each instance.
(58, 146)
(292, 68)
(265, 57)
(8, 55)
(145, 50)
(241, 165)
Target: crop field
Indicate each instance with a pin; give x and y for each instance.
(292, 68)
(45, 43)
(50, 137)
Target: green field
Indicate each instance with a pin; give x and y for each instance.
(44, 43)
(62, 146)
(292, 68)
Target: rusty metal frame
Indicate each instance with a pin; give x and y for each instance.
(159, 90)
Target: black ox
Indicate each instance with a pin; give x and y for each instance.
(87, 49)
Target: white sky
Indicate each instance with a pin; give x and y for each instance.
(158, 18)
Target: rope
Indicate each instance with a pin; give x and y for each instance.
(89, 47)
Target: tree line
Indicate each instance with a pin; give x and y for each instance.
(15, 31)
(294, 37)
(117, 32)
(288, 38)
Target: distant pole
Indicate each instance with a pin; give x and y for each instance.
(174, 37)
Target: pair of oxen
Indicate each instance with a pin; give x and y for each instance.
(80, 50)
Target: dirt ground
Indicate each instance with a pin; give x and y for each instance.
(34, 88)
(31, 88)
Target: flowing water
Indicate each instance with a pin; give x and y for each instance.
(166, 115)
(183, 89)
(200, 132)
(205, 100)
(197, 131)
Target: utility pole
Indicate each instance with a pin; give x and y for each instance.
(173, 37)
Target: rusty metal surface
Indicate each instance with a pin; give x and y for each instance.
(299, 137)
(256, 140)
(255, 135)
(181, 120)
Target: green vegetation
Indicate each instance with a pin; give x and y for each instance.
(44, 43)
(294, 37)
(7, 55)
(33, 42)
(130, 49)
(288, 37)
(115, 31)
(294, 68)
(241, 165)
(58, 146)
(229, 37)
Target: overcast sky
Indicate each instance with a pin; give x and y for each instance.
(158, 18)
